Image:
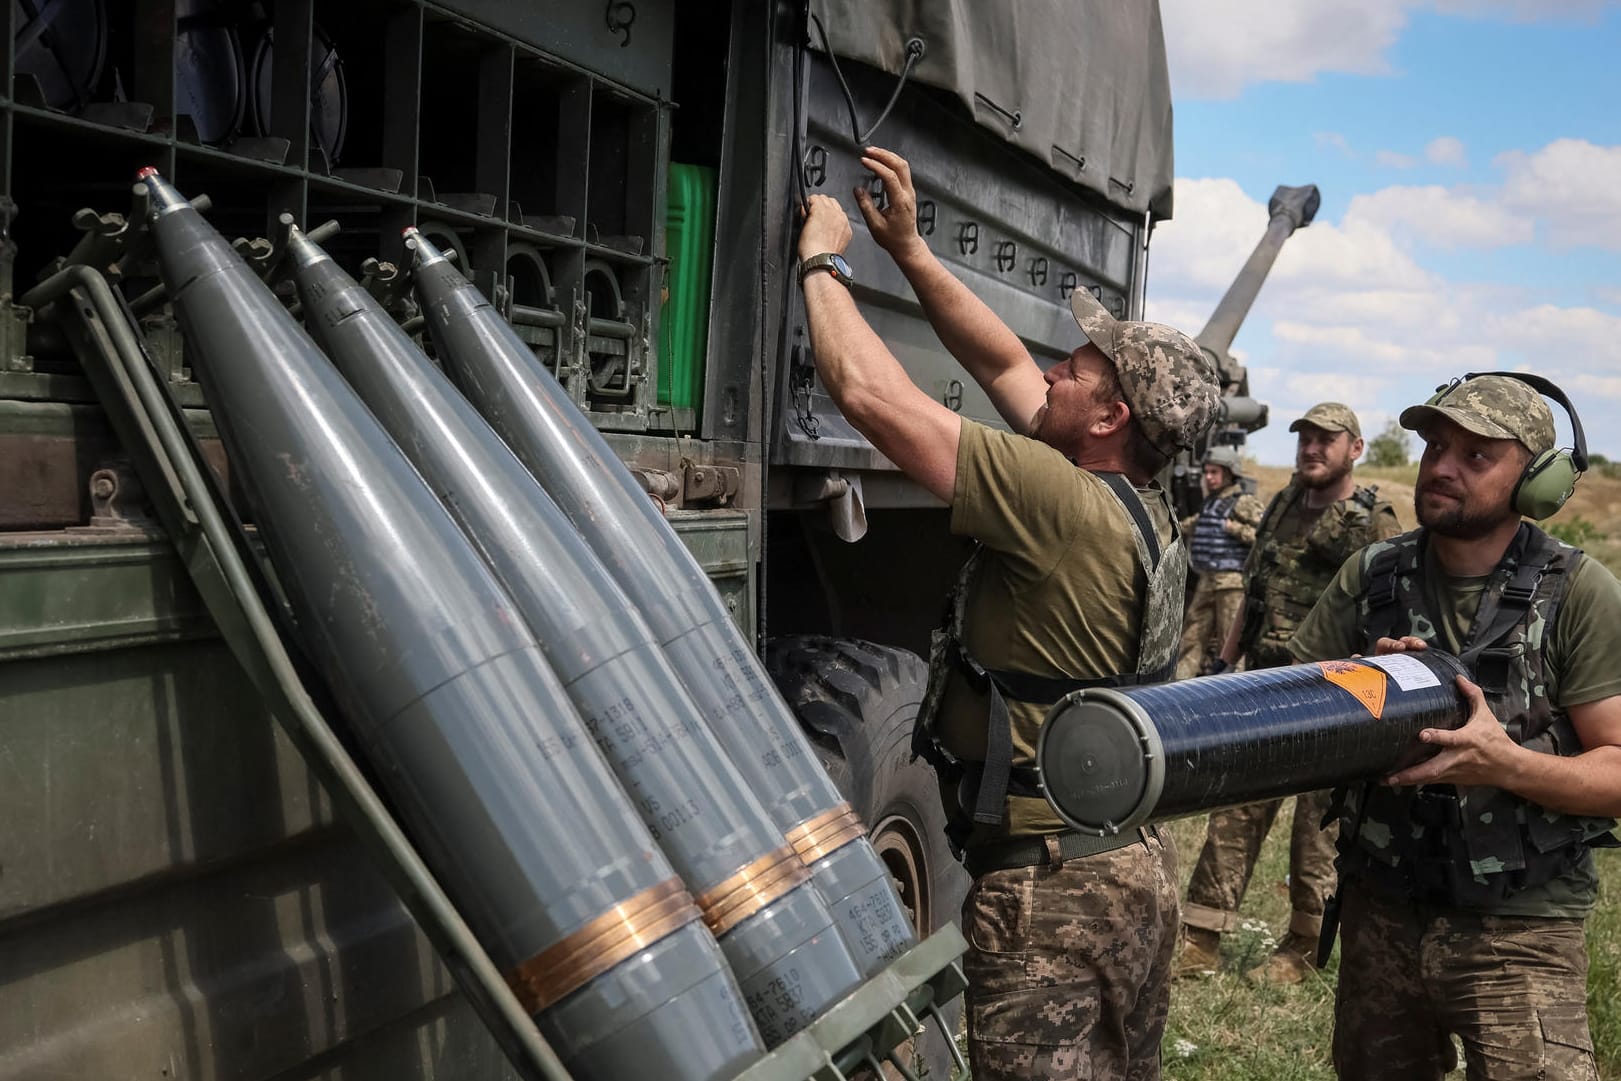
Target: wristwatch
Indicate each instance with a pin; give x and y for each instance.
(832, 262)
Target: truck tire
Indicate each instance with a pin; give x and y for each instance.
(858, 701)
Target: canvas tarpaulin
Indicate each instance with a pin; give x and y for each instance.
(1086, 79)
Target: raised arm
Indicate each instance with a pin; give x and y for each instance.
(863, 377)
(985, 347)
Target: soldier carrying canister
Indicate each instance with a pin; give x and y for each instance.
(1464, 881)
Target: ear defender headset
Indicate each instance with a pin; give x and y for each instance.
(1550, 478)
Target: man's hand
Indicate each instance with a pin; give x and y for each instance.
(1405, 644)
(895, 226)
(1479, 753)
(826, 229)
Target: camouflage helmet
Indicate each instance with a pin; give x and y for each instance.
(1165, 377)
(1495, 406)
(1226, 457)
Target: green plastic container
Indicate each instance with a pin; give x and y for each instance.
(689, 240)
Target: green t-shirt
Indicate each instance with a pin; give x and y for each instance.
(1056, 591)
(1581, 668)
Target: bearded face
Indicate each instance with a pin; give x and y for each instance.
(1466, 482)
(1324, 458)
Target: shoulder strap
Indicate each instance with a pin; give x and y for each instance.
(1133, 503)
(1379, 590)
(1277, 508)
(1523, 565)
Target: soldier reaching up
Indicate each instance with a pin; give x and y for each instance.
(1309, 529)
(1078, 582)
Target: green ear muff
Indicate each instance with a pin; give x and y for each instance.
(1545, 485)
(1551, 477)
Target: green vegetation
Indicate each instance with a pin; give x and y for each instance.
(1389, 447)
(1576, 530)
(1225, 1029)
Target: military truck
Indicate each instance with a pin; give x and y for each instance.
(182, 893)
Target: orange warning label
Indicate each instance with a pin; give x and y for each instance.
(1365, 682)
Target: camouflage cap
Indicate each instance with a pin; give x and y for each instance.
(1167, 380)
(1495, 406)
(1330, 417)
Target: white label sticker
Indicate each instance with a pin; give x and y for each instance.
(1410, 673)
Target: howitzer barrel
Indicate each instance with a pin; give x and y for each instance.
(1289, 209)
(474, 738)
(755, 893)
(535, 416)
(1112, 759)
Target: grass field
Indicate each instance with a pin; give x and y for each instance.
(1224, 1029)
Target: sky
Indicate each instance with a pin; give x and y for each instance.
(1469, 158)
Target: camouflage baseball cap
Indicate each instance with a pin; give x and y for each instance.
(1495, 406)
(1166, 379)
(1330, 417)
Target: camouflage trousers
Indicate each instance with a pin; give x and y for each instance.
(1069, 967)
(1232, 843)
(1210, 615)
(1512, 988)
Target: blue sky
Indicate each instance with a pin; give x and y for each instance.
(1469, 157)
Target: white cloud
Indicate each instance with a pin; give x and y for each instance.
(1350, 313)
(1607, 294)
(1218, 47)
(1392, 160)
(1552, 336)
(1573, 186)
(1443, 217)
(1333, 140)
(1446, 150)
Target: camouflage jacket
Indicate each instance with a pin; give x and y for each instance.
(1288, 570)
(1473, 846)
(1158, 637)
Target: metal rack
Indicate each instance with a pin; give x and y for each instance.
(560, 177)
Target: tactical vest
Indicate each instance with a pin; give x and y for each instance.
(988, 784)
(1286, 576)
(1473, 846)
(1213, 549)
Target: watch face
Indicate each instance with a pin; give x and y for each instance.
(841, 266)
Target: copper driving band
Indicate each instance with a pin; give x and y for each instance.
(741, 895)
(818, 838)
(616, 935)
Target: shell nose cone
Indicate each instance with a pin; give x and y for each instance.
(423, 253)
(301, 249)
(165, 196)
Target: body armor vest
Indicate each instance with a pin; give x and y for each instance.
(988, 784)
(1471, 847)
(1213, 549)
(1286, 575)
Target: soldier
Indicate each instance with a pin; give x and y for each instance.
(1310, 528)
(1220, 536)
(1078, 582)
(1465, 880)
